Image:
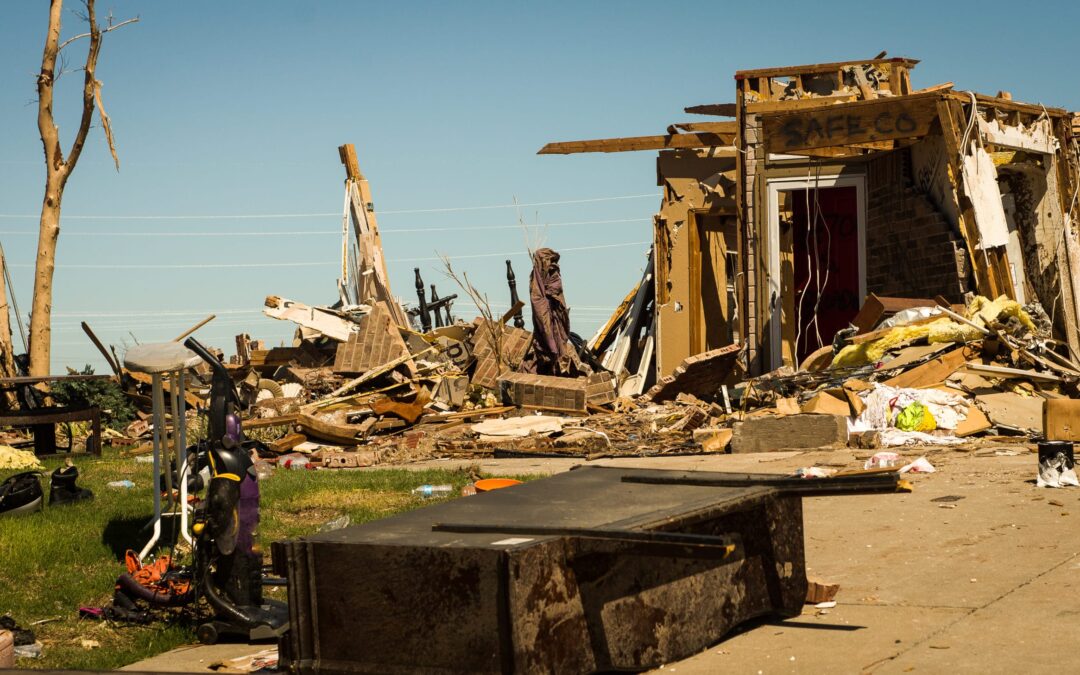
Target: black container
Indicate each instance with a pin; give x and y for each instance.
(1049, 450)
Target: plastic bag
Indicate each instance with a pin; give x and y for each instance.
(916, 417)
(295, 460)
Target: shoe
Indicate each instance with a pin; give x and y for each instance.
(62, 488)
(21, 493)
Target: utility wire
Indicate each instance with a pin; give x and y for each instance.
(337, 232)
(329, 263)
(267, 216)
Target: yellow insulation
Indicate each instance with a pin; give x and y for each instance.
(981, 311)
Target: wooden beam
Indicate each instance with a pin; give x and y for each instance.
(722, 128)
(792, 104)
(848, 123)
(819, 68)
(347, 153)
(1009, 104)
(718, 109)
(633, 143)
(944, 86)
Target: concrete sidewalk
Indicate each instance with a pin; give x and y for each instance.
(985, 582)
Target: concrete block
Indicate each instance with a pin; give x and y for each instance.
(791, 432)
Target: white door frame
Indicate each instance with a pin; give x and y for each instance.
(775, 186)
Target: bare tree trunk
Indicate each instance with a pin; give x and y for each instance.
(57, 169)
(7, 349)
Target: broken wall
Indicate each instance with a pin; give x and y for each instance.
(912, 249)
(691, 242)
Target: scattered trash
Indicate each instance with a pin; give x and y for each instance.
(920, 465)
(826, 605)
(30, 651)
(263, 469)
(489, 484)
(428, 491)
(1056, 465)
(295, 461)
(813, 472)
(264, 660)
(338, 523)
(126, 484)
(882, 460)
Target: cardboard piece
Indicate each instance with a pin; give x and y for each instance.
(824, 403)
(1013, 411)
(713, 439)
(1061, 419)
(934, 371)
(852, 388)
(787, 406)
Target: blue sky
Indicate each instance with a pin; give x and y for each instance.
(237, 109)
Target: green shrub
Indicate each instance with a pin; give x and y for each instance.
(116, 410)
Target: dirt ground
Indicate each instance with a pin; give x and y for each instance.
(986, 581)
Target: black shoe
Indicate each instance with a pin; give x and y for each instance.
(62, 488)
(21, 493)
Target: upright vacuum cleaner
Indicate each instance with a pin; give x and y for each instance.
(228, 565)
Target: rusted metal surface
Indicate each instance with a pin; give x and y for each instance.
(566, 574)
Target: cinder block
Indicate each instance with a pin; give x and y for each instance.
(600, 389)
(544, 391)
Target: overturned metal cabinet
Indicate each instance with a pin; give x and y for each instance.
(580, 572)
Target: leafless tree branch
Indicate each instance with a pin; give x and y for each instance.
(109, 29)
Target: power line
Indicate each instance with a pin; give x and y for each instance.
(336, 232)
(267, 216)
(322, 263)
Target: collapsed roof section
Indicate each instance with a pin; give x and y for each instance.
(836, 181)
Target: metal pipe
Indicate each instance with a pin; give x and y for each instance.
(158, 404)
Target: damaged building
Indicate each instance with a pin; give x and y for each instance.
(834, 194)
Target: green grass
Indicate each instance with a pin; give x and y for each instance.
(53, 562)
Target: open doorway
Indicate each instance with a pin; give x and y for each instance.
(818, 275)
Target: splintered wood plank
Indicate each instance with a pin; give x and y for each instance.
(718, 109)
(790, 105)
(707, 127)
(633, 143)
(848, 123)
(821, 67)
(934, 371)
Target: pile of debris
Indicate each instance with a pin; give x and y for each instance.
(929, 375)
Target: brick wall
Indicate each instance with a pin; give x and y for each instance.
(911, 248)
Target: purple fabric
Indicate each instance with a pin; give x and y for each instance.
(550, 315)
